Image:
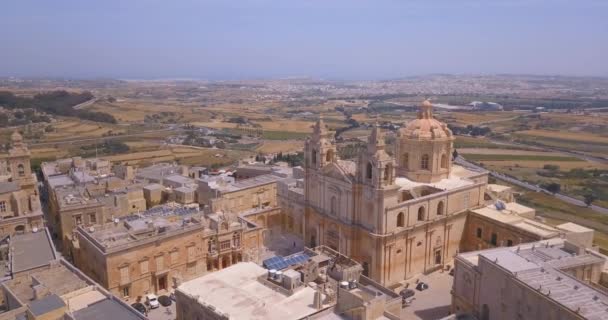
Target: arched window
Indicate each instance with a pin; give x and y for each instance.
(400, 220)
(424, 163)
(440, 208)
(329, 157)
(314, 156)
(494, 239)
(21, 170)
(333, 205)
(369, 170)
(421, 214)
(387, 172)
(444, 161)
(405, 160)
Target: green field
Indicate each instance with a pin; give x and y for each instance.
(284, 135)
(515, 157)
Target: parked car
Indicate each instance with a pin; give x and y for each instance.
(152, 301)
(139, 307)
(421, 286)
(407, 293)
(164, 301)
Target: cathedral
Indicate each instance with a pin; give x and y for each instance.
(400, 215)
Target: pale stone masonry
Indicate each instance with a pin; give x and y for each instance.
(158, 249)
(399, 216)
(551, 279)
(20, 209)
(324, 285)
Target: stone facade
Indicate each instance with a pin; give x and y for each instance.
(156, 253)
(552, 279)
(393, 219)
(20, 209)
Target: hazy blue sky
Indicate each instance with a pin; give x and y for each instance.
(347, 39)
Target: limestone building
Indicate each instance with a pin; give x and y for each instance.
(399, 215)
(154, 251)
(20, 209)
(38, 285)
(319, 284)
(552, 279)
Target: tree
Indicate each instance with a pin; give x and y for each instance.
(551, 167)
(589, 197)
(553, 187)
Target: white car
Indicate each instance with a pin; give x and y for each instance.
(152, 301)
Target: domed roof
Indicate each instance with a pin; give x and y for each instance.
(426, 127)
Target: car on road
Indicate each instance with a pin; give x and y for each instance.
(421, 286)
(152, 301)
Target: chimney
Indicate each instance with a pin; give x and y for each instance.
(317, 302)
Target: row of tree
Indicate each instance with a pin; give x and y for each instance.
(58, 102)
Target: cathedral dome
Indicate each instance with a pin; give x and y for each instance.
(426, 127)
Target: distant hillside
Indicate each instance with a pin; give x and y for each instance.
(55, 102)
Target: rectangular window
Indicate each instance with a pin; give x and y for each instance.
(225, 245)
(143, 267)
(124, 275)
(125, 291)
(494, 239)
(191, 267)
(78, 219)
(2, 206)
(465, 201)
(159, 263)
(92, 218)
(174, 257)
(191, 253)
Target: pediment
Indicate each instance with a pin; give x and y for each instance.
(334, 171)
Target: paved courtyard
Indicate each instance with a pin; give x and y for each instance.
(163, 313)
(433, 303)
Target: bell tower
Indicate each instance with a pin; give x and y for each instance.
(376, 167)
(319, 149)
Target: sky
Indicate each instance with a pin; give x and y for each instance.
(341, 39)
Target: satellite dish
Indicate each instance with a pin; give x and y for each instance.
(91, 229)
(35, 230)
(116, 220)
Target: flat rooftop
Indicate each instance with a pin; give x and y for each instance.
(517, 216)
(31, 250)
(248, 298)
(107, 309)
(539, 266)
(231, 186)
(57, 279)
(157, 171)
(459, 177)
(150, 224)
